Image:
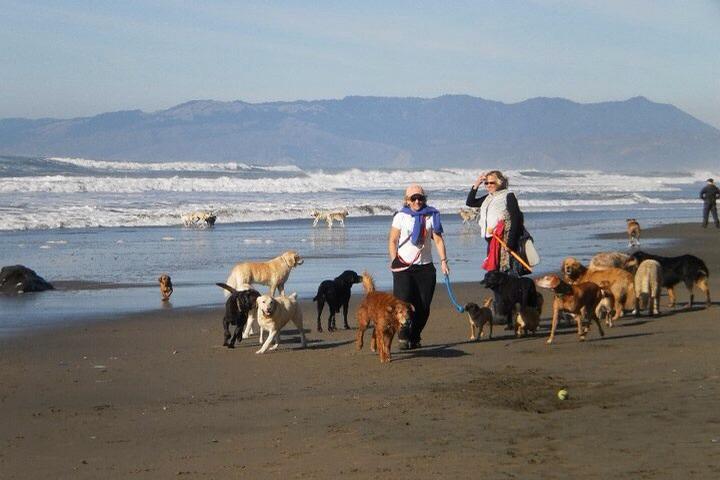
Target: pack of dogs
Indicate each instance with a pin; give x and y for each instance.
(329, 216)
(198, 219)
(612, 284)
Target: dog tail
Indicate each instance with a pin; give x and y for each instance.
(226, 287)
(368, 282)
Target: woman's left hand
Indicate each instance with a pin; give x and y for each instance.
(444, 267)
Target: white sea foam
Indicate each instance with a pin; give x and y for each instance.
(109, 199)
(171, 166)
(357, 180)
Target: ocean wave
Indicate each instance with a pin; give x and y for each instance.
(52, 215)
(120, 166)
(352, 180)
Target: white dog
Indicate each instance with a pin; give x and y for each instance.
(199, 218)
(329, 216)
(273, 313)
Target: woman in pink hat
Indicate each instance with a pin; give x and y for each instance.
(413, 228)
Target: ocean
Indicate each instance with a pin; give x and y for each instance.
(118, 224)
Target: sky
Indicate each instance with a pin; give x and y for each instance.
(66, 59)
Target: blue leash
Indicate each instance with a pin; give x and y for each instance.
(458, 307)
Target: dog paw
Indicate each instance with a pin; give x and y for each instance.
(549, 341)
(319, 329)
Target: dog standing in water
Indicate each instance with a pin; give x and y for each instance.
(633, 231)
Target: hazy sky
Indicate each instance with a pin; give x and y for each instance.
(76, 58)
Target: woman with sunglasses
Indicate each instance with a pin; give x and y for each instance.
(414, 277)
(498, 204)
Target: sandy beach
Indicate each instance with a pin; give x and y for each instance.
(156, 396)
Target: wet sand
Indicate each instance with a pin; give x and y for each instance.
(156, 396)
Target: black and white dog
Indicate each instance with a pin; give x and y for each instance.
(337, 294)
(510, 290)
(238, 306)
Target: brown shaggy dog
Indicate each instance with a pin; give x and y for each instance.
(579, 300)
(166, 288)
(621, 282)
(273, 273)
(386, 312)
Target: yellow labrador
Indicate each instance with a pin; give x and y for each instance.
(273, 273)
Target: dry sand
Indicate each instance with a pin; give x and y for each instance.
(156, 396)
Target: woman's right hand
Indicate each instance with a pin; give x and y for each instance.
(480, 180)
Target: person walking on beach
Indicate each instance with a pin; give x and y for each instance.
(709, 195)
(499, 215)
(414, 226)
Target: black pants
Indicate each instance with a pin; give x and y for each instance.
(415, 285)
(707, 208)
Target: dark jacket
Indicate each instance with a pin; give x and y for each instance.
(710, 193)
(516, 216)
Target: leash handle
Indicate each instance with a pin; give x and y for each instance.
(458, 307)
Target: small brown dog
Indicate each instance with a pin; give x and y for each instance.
(579, 300)
(386, 312)
(166, 287)
(478, 317)
(527, 320)
(606, 306)
(633, 231)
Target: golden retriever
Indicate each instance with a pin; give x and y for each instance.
(621, 282)
(273, 313)
(386, 312)
(166, 286)
(273, 273)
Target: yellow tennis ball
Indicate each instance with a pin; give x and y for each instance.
(562, 394)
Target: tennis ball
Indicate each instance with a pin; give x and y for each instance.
(562, 394)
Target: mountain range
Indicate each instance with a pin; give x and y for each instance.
(452, 130)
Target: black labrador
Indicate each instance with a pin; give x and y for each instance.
(510, 290)
(688, 269)
(337, 294)
(237, 308)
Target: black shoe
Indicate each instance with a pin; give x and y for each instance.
(414, 345)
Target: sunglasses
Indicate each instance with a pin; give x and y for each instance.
(490, 183)
(418, 198)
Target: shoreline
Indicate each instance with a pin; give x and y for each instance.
(156, 395)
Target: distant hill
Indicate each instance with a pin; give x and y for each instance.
(452, 130)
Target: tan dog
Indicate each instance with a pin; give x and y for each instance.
(479, 317)
(329, 216)
(633, 231)
(198, 218)
(468, 215)
(273, 273)
(579, 300)
(526, 320)
(273, 313)
(386, 312)
(648, 283)
(622, 284)
(605, 260)
(166, 286)
(606, 306)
